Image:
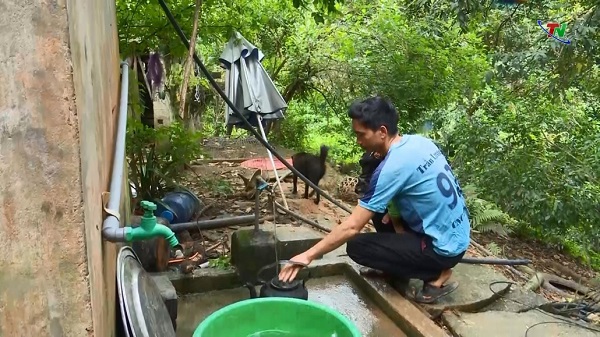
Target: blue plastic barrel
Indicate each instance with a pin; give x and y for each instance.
(178, 206)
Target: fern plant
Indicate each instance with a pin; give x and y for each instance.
(486, 216)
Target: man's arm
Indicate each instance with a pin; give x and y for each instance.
(383, 186)
(351, 226)
(387, 180)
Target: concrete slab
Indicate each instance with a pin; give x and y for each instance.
(409, 316)
(504, 324)
(203, 280)
(460, 310)
(474, 293)
(293, 240)
(251, 251)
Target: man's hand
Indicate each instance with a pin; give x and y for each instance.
(289, 271)
(386, 219)
(338, 236)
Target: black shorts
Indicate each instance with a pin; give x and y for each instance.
(405, 255)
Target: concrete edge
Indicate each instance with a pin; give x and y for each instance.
(410, 318)
(449, 319)
(210, 279)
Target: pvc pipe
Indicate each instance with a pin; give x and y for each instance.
(111, 230)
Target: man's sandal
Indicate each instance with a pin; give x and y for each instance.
(430, 294)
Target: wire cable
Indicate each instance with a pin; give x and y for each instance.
(560, 308)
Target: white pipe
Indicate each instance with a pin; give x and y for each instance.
(262, 131)
(111, 229)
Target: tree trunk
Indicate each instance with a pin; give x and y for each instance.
(188, 64)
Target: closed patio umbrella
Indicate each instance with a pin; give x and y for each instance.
(251, 90)
(248, 85)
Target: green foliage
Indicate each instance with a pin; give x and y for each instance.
(157, 157)
(294, 132)
(536, 158)
(485, 216)
(517, 113)
(417, 65)
(587, 252)
(218, 187)
(494, 248)
(306, 129)
(222, 262)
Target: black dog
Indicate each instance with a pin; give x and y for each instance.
(368, 164)
(312, 167)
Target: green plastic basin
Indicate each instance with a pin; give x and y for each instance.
(276, 317)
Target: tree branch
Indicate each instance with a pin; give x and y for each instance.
(276, 72)
(501, 25)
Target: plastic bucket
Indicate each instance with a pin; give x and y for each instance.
(276, 317)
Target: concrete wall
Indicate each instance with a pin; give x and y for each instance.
(163, 114)
(58, 104)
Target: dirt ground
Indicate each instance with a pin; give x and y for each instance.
(216, 181)
(219, 186)
(544, 258)
(219, 182)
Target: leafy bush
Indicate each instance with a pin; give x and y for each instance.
(157, 157)
(536, 158)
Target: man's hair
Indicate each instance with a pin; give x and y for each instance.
(374, 112)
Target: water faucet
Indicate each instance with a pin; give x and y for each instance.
(149, 228)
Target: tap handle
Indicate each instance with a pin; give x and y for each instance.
(148, 206)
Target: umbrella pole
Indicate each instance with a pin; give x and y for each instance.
(262, 131)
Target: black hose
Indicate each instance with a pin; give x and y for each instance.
(213, 223)
(239, 114)
(504, 262)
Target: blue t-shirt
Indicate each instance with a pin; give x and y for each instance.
(418, 180)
